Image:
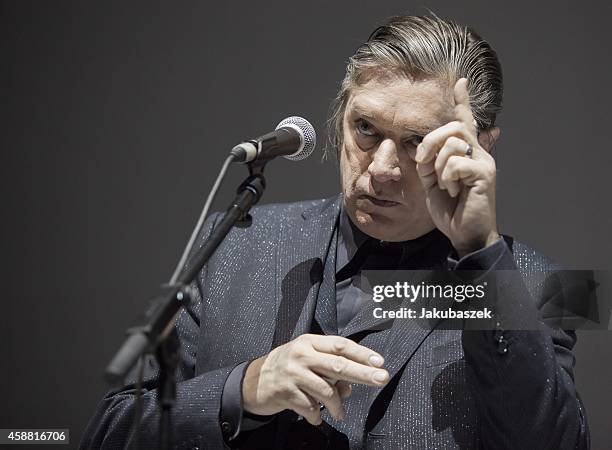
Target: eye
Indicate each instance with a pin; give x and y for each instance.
(414, 141)
(364, 127)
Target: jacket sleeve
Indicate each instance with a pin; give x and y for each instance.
(195, 415)
(522, 377)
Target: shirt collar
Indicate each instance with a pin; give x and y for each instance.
(350, 238)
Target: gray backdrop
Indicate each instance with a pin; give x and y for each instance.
(115, 117)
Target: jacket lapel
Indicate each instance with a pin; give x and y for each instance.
(405, 336)
(305, 247)
(325, 309)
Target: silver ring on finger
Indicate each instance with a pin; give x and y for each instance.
(469, 150)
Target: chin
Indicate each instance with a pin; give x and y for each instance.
(379, 226)
(390, 228)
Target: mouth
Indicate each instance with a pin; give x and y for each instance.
(378, 201)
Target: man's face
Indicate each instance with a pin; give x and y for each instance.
(384, 121)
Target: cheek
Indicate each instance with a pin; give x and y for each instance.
(353, 164)
(411, 177)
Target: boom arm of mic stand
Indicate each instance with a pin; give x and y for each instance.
(161, 318)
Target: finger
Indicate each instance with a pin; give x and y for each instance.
(322, 392)
(466, 171)
(427, 175)
(435, 140)
(306, 406)
(453, 147)
(341, 368)
(463, 110)
(344, 389)
(337, 345)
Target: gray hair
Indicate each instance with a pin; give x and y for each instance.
(422, 47)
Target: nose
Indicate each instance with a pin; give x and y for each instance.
(385, 162)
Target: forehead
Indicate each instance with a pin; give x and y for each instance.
(398, 102)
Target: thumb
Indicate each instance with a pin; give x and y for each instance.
(463, 111)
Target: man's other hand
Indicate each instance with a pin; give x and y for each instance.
(308, 371)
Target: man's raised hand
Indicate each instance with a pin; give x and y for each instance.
(458, 176)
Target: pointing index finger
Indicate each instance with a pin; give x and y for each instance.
(463, 111)
(341, 346)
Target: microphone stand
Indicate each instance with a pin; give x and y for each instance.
(158, 335)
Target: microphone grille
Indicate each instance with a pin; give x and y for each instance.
(309, 137)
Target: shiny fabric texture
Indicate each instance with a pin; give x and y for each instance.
(449, 389)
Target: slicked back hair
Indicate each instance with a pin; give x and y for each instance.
(424, 47)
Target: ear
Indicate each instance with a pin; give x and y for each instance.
(487, 138)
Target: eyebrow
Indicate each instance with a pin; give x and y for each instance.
(417, 131)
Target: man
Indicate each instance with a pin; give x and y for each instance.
(280, 327)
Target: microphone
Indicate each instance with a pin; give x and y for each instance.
(294, 138)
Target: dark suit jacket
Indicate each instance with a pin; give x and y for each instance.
(448, 389)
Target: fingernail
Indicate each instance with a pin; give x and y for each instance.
(379, 376)
(376, 360)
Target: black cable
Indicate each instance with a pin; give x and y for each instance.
(202, 218)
